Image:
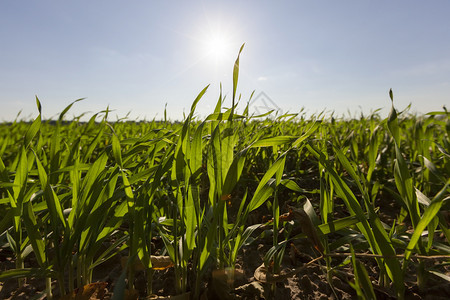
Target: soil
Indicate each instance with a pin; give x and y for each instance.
(309, 283)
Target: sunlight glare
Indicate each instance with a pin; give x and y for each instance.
(218, 47)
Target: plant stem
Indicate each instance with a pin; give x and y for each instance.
(20, 265)
(48, 288)
(150, 273)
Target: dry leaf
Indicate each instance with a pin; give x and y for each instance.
(161, 262)
(307, 227)
(185, 296)
(96, 289)
(225, 197)
(158, 263)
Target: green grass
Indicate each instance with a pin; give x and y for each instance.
(67, 189)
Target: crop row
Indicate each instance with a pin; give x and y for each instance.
(75, 194)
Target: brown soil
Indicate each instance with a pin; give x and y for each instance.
(310, 283)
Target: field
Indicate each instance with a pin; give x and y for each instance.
(230, 206)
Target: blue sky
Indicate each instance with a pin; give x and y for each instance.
(139, 55)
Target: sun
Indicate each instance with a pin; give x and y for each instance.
(217, 47)
(214, 44)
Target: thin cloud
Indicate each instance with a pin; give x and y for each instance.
(427, 69)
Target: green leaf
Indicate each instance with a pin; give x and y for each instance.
(32, 131)
(116, 150)
(34, 235)
(336, 225)
(6, 220)
(234, 172)
(428, 215)
(38, 103)
(236, 74)
(264, 190)
(197, 99)
(443, 276)
(274, 141)
(375, 234)
(25, 273)
(363, 285)
(393, 122)
(304, 136)
(61, 115)
(53, 203)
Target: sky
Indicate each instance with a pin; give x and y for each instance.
(138, 57)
